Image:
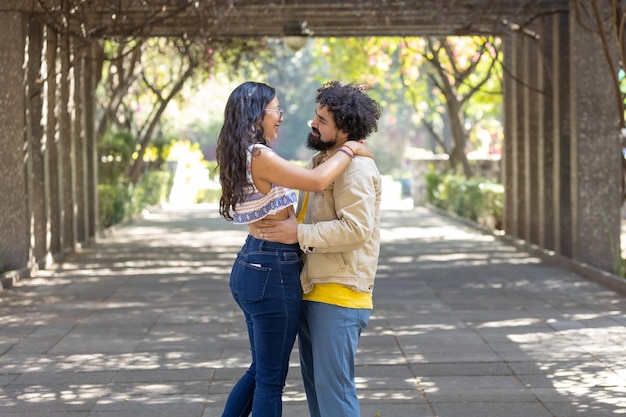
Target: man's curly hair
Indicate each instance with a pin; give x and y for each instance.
(354, 112)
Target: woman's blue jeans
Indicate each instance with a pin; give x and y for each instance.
(265, 282)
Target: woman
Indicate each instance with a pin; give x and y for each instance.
(258, 184)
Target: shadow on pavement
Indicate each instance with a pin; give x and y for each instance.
(143, 324)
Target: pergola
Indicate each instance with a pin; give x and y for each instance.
(276, 18)
(562, 162)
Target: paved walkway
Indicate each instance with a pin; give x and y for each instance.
(464, 326)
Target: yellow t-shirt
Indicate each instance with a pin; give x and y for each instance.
(331, 293)
(339, 295)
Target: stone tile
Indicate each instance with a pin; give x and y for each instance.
(144, 325)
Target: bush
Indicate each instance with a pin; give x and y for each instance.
(476, 199)
(112, 202)
(115, 155)
(119, 201)
(208, 195)
(153, 190)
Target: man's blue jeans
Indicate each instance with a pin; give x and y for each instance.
(328, 340)
(265, 282)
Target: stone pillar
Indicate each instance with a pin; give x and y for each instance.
(555, 170)
(86, 148)
(55, 167)
(543, 101)
(563, 147)
(517, 141)
(533, 129)
(596, 155)
(66, 147)
(562, 139)
(47, 135)
(14, 231)
(78, 139)
(38, 213)
(548, 71)
(90, 81)
(509, 151)
(523, 137)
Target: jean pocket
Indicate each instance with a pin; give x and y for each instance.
(251, 282)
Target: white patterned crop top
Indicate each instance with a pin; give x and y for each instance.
(257, 205)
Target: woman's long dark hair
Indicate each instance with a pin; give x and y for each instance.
(242, 127)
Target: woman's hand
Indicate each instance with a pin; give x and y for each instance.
(359, 148)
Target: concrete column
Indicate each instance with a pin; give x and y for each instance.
(66, 147)
(90, 81)
(520, 150)
(543, 156)
(55, 150)
(509, 151)
(47, 137)
(596, 150)
(548, 75)
(532, 130)
(562, 139)
(14, 230)
(555, 168)
(78, 139)
(537, 135)
(36, 147)
(523, 137)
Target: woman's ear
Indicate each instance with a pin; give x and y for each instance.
(257, 123)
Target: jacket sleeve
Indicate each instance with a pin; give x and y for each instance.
(354, 195)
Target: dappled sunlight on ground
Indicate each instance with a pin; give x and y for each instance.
(144, 324)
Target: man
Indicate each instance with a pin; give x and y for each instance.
(340, 236)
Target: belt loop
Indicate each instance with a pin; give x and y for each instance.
(248, 242)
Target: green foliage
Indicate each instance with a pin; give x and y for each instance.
(476, 199)
(214, 170)
(141, 79)
(433, 179)
(151, 191)
(397, 68)
(120, 200)
(213, 192)
(393, 66)
(112, 203)
(408, 76)
(208, 195)
(158, 152)
(115, 152)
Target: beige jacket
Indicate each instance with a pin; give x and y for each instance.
(341, 230)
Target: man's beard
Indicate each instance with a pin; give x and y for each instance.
(316, 143)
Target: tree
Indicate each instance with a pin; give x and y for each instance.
(451, 84)
(458, 69)
(142, 76)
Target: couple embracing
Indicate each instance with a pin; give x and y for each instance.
(305, 271)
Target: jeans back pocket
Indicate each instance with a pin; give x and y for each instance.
(251, 281)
